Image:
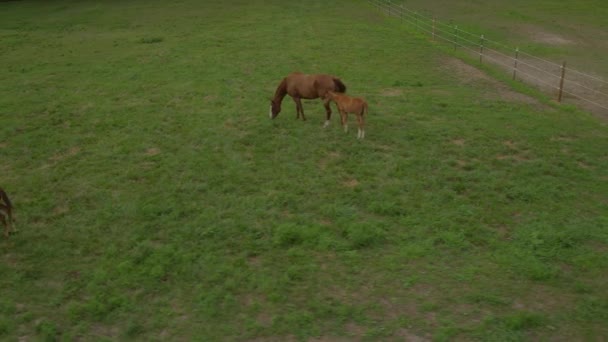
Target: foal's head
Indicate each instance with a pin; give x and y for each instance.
(275, 109)
(330, 95)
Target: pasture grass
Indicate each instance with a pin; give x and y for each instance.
(157, 201)
(574, 31)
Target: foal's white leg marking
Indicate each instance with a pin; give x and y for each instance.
(346, 128)
(326, 123)
(359, 133)
(270, 112)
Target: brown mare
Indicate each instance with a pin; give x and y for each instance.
(355, 105)
(302, 86)
(6, 213)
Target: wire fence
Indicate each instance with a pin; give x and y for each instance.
(565, 83)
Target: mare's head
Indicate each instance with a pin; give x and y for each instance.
(275, 109)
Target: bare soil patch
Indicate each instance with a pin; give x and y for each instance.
(458, 142)
(328, 159)
(391, 92)
(471, 75)
(351, 183)
(579, 89)
(254, 261)
(355, 330)
(153, 151)
(550, 38)
(407, 335)
(69, 153)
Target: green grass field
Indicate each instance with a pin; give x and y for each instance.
(574, 31)
(157, 201)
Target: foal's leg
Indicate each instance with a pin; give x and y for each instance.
(344, 115)
(361, 131)
(326, 104)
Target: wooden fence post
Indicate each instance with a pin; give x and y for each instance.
(455, 36)
(481, 50)
(515, 64)
(561, 82)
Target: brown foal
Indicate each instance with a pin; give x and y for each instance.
(347, 104)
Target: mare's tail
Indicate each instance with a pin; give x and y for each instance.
(8, 205)
(340, 87)
(4, 197)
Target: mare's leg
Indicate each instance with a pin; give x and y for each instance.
(3, 221)
(299, 108)
(296, 100)
(326, 104)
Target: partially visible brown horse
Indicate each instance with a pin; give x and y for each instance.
(347, 104)
(302, 86)
(6, 218)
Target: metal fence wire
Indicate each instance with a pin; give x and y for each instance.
(556, 79)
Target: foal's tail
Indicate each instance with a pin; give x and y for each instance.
(340, 87)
